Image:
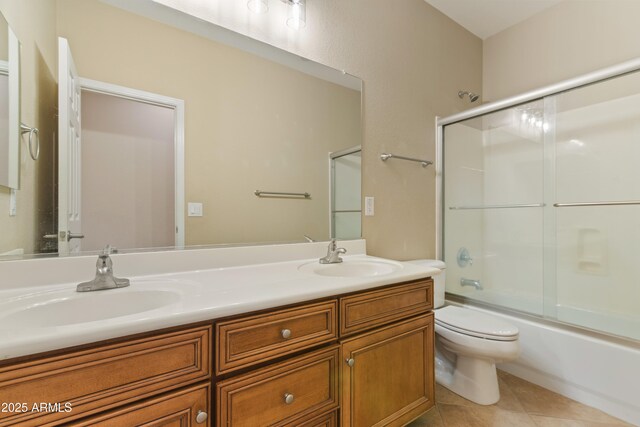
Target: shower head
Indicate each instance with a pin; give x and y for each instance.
(472, 96)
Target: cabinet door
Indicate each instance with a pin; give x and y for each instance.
(183, 408)
(387, 374)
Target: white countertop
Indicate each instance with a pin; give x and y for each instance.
(193, 296)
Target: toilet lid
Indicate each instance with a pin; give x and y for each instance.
(475, 323)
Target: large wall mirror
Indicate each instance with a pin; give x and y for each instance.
(9, 107)
(168, 137)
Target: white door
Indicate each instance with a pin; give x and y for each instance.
(69, 215)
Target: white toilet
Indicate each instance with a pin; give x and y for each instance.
(469, 343)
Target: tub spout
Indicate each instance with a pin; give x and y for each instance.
(471, 282)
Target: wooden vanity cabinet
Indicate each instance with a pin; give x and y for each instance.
(378, 352)
(356, 360)
(387, 354)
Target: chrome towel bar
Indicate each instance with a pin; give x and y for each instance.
(34, 140)
(260, 193)
(571, 205)
(386, 156)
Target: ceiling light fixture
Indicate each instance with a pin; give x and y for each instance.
(258, 6)
(297, 15)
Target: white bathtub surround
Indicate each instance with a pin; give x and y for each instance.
(187, 287)
(591, 370)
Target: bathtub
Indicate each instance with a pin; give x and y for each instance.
(592, 369)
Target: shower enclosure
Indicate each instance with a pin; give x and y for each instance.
(540, 202)
(346, 166)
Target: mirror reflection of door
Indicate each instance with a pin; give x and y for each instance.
(128, 191)
(69, 216)
(122, 186)
(346, 208)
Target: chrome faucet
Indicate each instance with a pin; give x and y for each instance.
(333, 253)
(104, 274)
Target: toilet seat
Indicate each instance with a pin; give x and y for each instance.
(475, 324)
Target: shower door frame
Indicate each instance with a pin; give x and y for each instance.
(536, 94)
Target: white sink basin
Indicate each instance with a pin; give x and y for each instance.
(70, 307)
(352, 268)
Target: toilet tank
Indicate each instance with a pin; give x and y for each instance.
(438, 279)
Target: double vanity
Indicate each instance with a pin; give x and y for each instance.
(287, 342)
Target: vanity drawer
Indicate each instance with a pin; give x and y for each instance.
(180, 408)
(104, 377)
(325, 420)
(259, 398)
(252, 339)
(366, 310)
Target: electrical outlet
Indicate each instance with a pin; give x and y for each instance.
(368, 206)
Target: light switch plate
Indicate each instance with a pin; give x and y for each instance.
(194, 209)
(368, 206)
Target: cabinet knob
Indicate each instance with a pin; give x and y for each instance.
(351, 362)
(286, 333)
(288, 398)
(201, 417)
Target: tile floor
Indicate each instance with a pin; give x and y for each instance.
(521, 404)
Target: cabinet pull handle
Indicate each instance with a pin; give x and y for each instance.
(350, 362)
(288, 398)
(286, 333)
(201, 417)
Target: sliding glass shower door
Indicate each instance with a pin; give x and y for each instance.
(542, 207)
(493, 187)
(597, 140)
(345, 194)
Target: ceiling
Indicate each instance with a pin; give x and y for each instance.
(485, 18)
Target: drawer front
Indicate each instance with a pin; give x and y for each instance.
(182, 408)
(326, 420)
(253, 339)
(259, 398)
(98, 379)
(370, 309)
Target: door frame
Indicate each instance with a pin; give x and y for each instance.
(163, 101)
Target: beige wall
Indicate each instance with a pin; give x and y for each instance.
(413, 60)
(250, 123)
(572, 38)
(33, 21)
